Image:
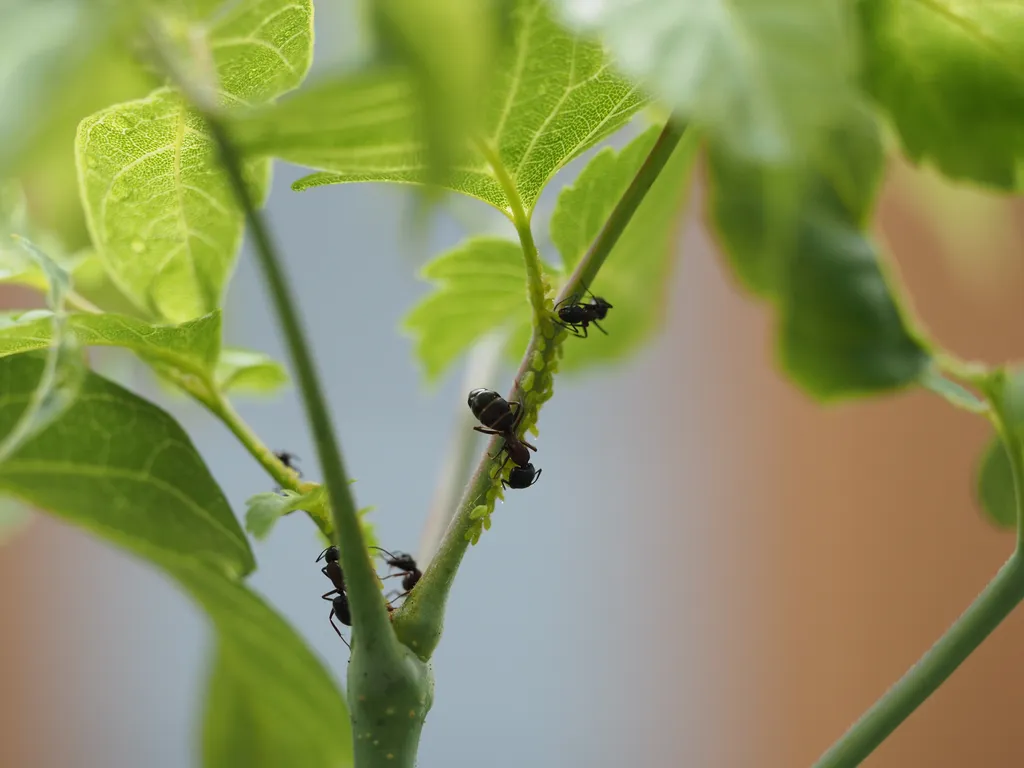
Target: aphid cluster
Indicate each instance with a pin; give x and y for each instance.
(495, 412)
(338, 597)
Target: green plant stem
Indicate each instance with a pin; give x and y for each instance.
(420, 620)
(222, 408)
(389, 689)
(999, 598)
(521, 219)
(993, 605)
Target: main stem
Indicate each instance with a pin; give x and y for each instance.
(994, 604)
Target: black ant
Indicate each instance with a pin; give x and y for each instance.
(576, 317)
(339, 603)
(406, 566)
(495, 413)
(289, 459)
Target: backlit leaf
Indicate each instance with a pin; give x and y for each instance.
(481, 285)
(249, 372)
(191, 347)
(264, 509)
(797, 239)
(555, 96)
(762, 78)
(122, 468)
(950, 74)
(64, 369)
(160, 211)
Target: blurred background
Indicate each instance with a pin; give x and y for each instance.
(713, 570)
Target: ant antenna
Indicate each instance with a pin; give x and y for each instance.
(323, 554)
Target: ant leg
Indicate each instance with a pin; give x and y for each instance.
(536, 477)
(528, 445)
(574, 330)
(331, 619)
(485, 431)
(327, 595)
(602, 330)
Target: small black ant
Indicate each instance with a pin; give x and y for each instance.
(495, 413)
(289, 459)
(406, 566)
(576, 316)
(339, 603)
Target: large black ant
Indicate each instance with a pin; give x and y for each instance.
(575, 316)
(339, 603)
(495, 413)
(406, 566)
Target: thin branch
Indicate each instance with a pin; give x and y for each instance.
(419, 621)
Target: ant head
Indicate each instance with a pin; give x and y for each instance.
(599, 302)
(329, 555)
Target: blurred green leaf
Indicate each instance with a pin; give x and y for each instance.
(796, 238)
(448, 47)
(951, 77)
(952, 392)
(62, 374)
(636, 276)
(481, 285)
(555, 97)
(245, 371)
(995, 485)
(122, 468)
(191, 347)
(761, 78)
(160, 212)
(248, 726)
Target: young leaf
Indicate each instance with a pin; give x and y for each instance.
(949, 75)
(763, 79)
(264, 509)
(635, 278)
(841, 332)
(62, 374)
(554, 97)
(159, 209)
(481, 285)
(246, 727)
(995, 479)
(191, 347)
(249, 372)
(121, 467)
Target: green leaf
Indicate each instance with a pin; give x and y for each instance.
(249, 372)
(191, 347)
(554, 97)
(636, 277)
(160, 212)
(763, 79)
(61, 378)
(264, 509)
(481, 286)
(246, 726)
(122, 468)
(995, 479)
(952, 392)
(951, 77)
(797, 239)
